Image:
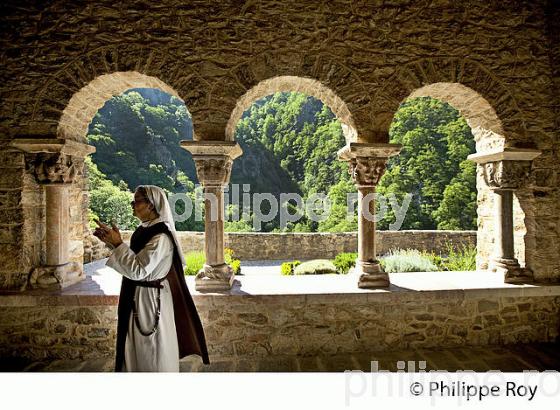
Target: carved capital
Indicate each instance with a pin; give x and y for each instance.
(367, 171)
(506, 174)
(55, 168)
(213, 171)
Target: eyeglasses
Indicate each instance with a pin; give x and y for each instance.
(137, 201)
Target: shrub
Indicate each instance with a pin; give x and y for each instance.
(232, 261)
(195, 261)
(409, 260)
(461, 259)
(437, 260)
(345, 261)
(287, 268)
(315, 267)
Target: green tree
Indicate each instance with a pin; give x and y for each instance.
(431, 166)
(108, 203)
(290, 142)
(457, 209)
(137, 136)
(339, 220)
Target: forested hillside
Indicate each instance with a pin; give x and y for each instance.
(290, 142)
(432, 166)
(137, 138)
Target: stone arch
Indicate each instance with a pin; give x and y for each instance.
(478, 94)
(486, 127)
(89, 80)
(295, 84)
(320, 75)
(495, 120)
(73, 125)
(84, 104)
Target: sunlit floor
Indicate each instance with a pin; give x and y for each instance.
(261, 278)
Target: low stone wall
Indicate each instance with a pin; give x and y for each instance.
(300, 324)
(329, 324)
(58, 332)
(270, 246)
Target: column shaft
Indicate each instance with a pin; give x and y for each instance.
(504, 224)
(366, 225)
(56, 203)
(214, 225)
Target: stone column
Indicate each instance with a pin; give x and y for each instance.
(505, 171)
(367, 164)
(55, 164)
(56, 206)
(213, 162)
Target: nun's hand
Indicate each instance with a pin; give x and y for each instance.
(111, 236)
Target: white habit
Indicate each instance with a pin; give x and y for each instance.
(158, 352)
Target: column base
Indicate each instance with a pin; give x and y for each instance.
(214, 278)
(513, 273)
(56, 277)
(371, 275)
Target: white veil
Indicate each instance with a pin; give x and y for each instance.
(158, 198)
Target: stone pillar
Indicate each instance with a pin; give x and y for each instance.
(55, 164)
(213, 162)
(56, 206)
(505, 171)
(367, 164)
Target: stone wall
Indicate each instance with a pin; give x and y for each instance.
(48, 332)
(62, 61)
(322, 324)
(21, 221)
(370, 54)
(302, 325)
(270, 246)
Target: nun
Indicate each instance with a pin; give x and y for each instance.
(157, 320)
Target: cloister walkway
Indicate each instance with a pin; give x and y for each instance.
(318, 311)
(509, 358)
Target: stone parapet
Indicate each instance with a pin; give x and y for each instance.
(299, 318)
(276, 246)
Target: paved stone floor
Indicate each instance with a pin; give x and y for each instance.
(511, 358)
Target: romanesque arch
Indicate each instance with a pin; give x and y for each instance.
(495, 120)
(294, 84)
(490, 109)
(84, 104)
(69, 98)
(320, 75)
(60, 179)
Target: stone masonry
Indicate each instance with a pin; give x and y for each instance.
(258, 326)
(276, 246)
(496, 62)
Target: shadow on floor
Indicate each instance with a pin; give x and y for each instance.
(510, 358)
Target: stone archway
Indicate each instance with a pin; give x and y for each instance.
(321, 75)
(85, 103)
(302, 85)
(214, 159)
(496, 123)
(488, 133)
(106, 71)
(490, 109)
(79, 113)
(61, 180)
